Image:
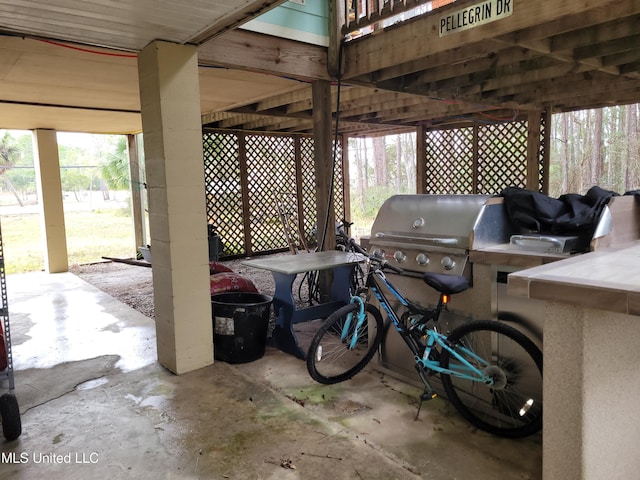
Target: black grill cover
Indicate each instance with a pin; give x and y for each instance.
(570, 214)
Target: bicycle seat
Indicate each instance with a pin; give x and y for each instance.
(447, 284)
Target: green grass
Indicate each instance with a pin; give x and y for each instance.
(90, 236)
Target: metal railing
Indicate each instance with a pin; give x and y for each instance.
(362, 17)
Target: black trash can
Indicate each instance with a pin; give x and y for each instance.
(240, 325)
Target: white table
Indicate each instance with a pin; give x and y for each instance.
(285, 269)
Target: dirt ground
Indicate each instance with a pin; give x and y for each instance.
(133, 284)
(130, 284)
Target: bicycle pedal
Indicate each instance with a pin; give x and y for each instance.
(428, 396)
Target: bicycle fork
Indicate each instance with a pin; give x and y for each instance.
(360, 318)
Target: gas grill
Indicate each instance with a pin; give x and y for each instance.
(427, 233)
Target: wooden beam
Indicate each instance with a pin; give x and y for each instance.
(244, 12)
(136, 187)
(336, 15)
(574, 90)
(301, 93)
(610, 47)
(576, 39)
(344, 163)
(593, 31)
(454, 56)
(323, 160)
(421, 159)
(491, 87)
(256, 52)
(533, 151)
(244, 182)
(419, 38)
(546, 150)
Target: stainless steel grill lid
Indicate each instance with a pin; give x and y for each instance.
(436, 220)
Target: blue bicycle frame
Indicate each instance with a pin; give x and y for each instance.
(463, 369)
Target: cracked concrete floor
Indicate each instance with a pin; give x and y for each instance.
(96, 404)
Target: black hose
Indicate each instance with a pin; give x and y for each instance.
(335, 147)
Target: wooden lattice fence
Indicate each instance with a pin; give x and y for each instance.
(247, 175)
(483, 159)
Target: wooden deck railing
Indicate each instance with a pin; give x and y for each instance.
(365, 16)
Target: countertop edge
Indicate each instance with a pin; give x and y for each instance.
(565, 281)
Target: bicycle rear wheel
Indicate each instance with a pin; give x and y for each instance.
(330, 358)
(512, 406)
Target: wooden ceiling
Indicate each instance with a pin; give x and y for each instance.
(556, 55)
(128, 25)
(48, 85)
(72, 66)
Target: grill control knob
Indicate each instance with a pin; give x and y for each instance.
(418, 222)
(378, 253)
(422, 259)
(448, 263)
(400, 256)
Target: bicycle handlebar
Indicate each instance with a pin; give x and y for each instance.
(385, 264)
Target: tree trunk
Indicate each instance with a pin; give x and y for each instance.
(365, 163)
(13, 189)
(583, 137)
(632, 150)
(575, 155)
(410, 163)
(564, 156)
(399, 164)
(596, 153)
(360, 173)
(380, 161)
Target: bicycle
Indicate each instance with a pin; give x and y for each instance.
(490, 371)
(310, 279)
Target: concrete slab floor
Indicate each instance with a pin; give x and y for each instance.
(95, 404)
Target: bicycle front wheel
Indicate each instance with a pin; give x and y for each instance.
(333, 357)
(511, 406)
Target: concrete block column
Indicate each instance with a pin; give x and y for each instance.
(170, 103)
(49, 185)
(591, 429)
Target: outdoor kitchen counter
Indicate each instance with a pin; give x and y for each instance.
(591, 336)
(604, 280)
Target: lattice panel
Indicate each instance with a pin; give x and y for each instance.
(224, 189)
(309, 188)
(502, 157)
(248, 170)
(542, 173)
(270, 171)
(501, 153)
(449, 162)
